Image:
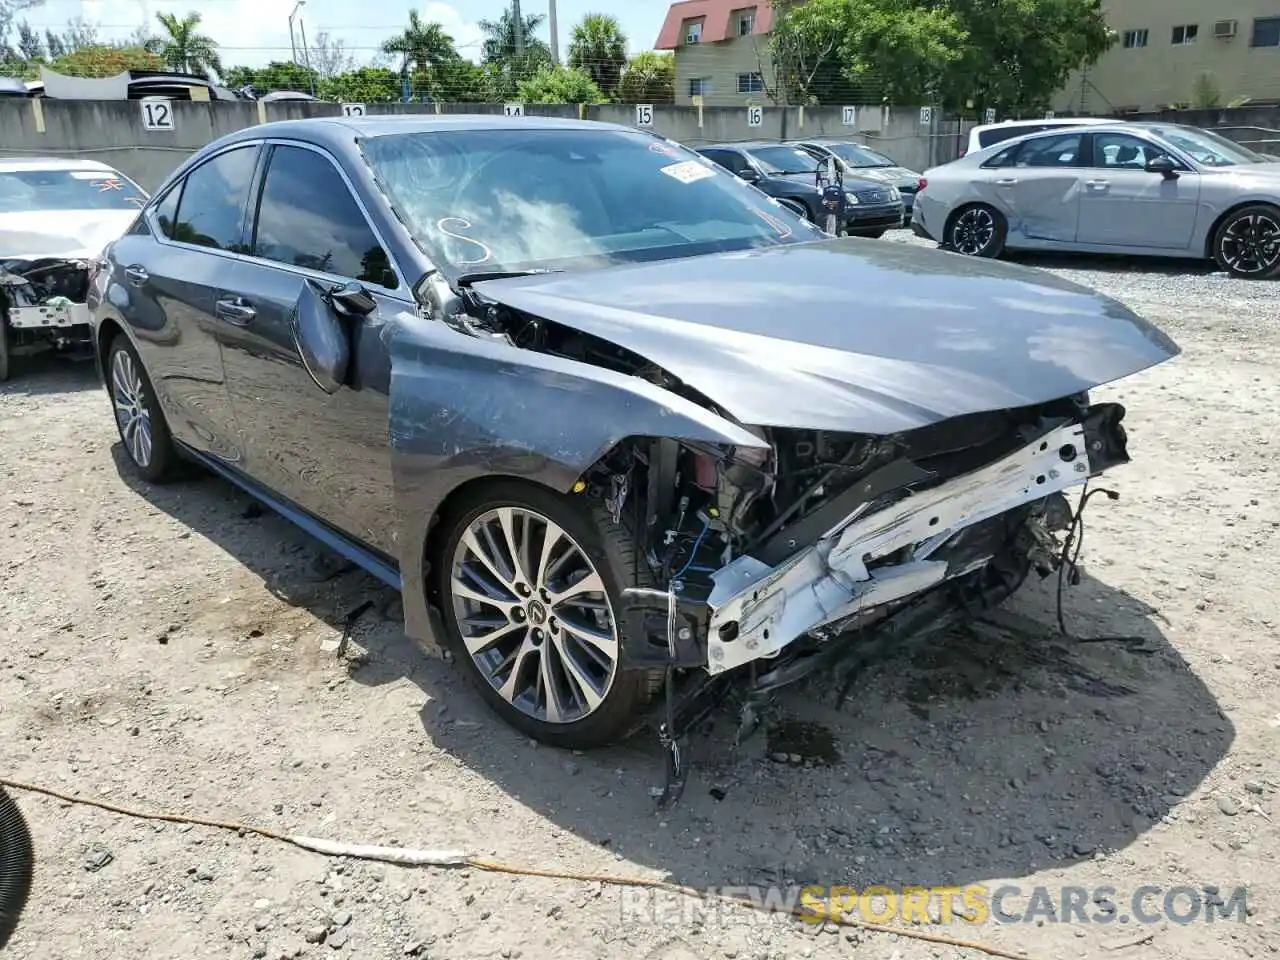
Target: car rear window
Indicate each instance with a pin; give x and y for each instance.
(997, 134)
(30, 190)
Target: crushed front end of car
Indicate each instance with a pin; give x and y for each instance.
(43, 304)
(778, 558)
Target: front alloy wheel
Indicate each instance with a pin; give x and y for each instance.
(142, 426)
(534, 615)
(1248, 243)
(529, 584)
(132, 415)
(977, 231)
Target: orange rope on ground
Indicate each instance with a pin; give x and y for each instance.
(448, 859)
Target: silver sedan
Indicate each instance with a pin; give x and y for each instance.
(1135, 188)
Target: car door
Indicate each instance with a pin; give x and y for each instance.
(166, 276)
(1039, 190)
(1124, 204)
(328, 454)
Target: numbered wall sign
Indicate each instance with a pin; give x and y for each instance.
(926, 114)
(990, 115)
(353, 110)
(513, 109)
(849, 116)
(157, 114)
(755, 116)
(644, 114)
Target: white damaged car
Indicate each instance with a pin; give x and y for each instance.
(56, 216)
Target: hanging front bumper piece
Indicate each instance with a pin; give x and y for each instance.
(869, 557)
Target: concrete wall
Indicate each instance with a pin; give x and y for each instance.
(112, 131)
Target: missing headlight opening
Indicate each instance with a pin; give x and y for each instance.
(43, 303)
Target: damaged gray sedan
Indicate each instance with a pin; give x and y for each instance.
(618, 426)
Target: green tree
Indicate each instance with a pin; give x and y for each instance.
(277, 75)
(554, 84)
(649, 77)
(182, 47)
(1009, 54)
(420, 46)
(365, 85)
(507, 61)
(1019, 53)
(598, 47)
(1206, 94)
(105, 61)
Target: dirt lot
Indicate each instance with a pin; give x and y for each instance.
(174, 650)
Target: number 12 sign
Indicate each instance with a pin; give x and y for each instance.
(157, 114)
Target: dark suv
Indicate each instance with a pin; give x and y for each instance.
(788, 172)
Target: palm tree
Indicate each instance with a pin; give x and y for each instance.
(598, 47)
(182, 48)
(422, 45)
(500, 39)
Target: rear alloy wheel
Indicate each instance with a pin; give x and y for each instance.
(1248, 242)
(529, 589)
(141, 425)
(977, 231)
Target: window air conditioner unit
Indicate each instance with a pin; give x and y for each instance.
(1224, 29)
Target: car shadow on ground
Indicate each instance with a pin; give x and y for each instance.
(995, 751)
(47, 373)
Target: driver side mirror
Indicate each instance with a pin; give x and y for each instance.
(1164, 166)
(352, 300)
(748, 174)
(321, 336)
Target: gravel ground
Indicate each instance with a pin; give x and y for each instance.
(174, 650)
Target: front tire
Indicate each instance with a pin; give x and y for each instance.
(139, 420)
(976, 231)
(529, 584)
(1247, 244)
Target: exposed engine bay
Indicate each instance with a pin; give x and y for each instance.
(42, 303)
(784, 549)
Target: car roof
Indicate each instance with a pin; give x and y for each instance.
(744, 145)
(1056, 122)
(390, 124)
(18, 164)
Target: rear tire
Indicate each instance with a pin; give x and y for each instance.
(542, 651)
(977, 230)
(139, 420)
(1247, 244)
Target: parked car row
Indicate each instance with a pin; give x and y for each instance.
(877, 192)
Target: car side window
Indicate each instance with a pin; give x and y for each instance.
(308, 218)
(1123, 151)
(720, 157)
(1005, 157)
(1060, 151)
(211, 208)
(167, 211)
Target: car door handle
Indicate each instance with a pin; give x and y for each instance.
(1007, 182)
(234, 310)
(1098, 184)
(137, 276)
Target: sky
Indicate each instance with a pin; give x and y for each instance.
(254, 32)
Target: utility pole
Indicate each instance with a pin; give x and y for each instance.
(306, 56)
(555, 33)
(517, 26)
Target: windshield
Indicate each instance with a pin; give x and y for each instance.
(515, 199)
(23, 191)
(855, 155)
(1210, 149)
(782, 159)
